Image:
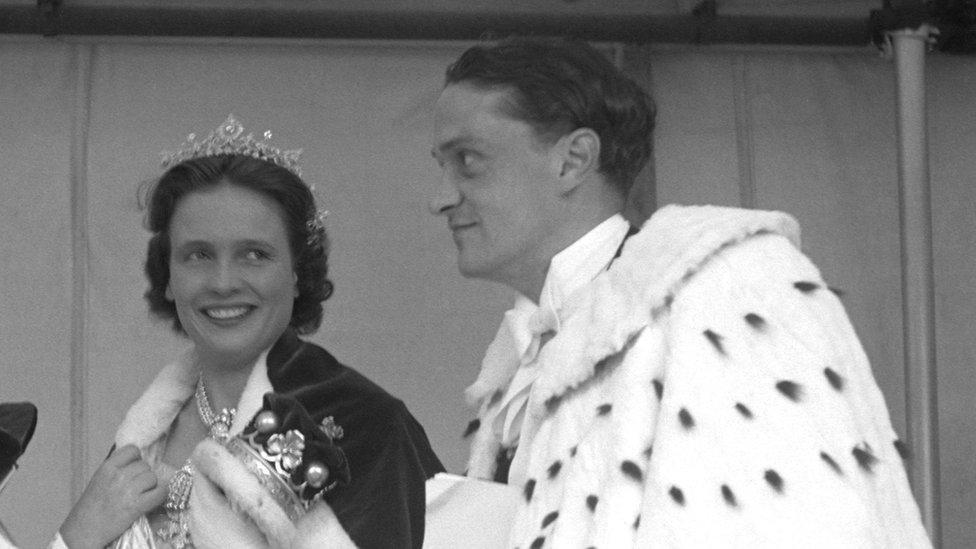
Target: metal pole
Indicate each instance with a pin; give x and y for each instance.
(909, 48)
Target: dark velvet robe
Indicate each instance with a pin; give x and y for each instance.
(389, 455)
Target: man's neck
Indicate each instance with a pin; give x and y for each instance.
(530, 284)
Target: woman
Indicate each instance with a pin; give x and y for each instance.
(238, 262)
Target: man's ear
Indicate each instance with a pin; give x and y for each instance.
(579, 155)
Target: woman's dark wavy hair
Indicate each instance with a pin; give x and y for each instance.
(309, 245)
(559, 85)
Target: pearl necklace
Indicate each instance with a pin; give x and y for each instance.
(176, 532)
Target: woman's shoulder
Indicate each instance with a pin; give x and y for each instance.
(373, 422)
(317, 378)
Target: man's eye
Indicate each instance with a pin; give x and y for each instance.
(196, 255)
(255, 255)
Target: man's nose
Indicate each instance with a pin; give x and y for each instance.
(446, 197)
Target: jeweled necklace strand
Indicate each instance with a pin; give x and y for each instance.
(218, 423)
(177, 532)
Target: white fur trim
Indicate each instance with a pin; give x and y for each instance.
(252, 397)
(320, 527)
(153, 413)
(215, 524)
(602, 320)
(672, 245)
(245, 494)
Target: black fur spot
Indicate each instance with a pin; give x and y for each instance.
(538, 542)
(495, 397)
(591, 502)
(684, 416)
(668, 300)
(744, 410)
(529, 488)
(471, 428)
(548, 519)
(774, 480)
(603, 409)
(902, 449)
(648, 451)
(552, 403)
(572, 451)
(865, 459)
(715, 340)
(677, 495)
(631, 469)
(806, 287)
(790, 389)
(728, 496)
(756, 321)
(554, 469)
(637, 522)
(600, 366)
(830, 461)
(658, 388)
(835, 379)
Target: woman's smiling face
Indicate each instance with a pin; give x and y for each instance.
(232, 275)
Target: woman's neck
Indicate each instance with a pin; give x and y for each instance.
(224, 382)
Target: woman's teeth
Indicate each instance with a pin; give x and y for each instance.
(227, 313)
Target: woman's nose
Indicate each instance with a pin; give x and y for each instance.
(226, 278)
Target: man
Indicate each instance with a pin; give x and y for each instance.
(694, 383)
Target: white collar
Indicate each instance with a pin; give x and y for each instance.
(579, 263)
(569, 270)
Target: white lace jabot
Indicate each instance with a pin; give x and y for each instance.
(521, 334)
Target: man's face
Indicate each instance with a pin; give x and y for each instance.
(497, 187)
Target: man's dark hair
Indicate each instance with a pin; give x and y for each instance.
(558, 85)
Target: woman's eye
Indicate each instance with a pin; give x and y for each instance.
(255, 255)
(196, 255)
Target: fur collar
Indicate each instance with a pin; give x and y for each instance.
(656, 262)
(148, 420)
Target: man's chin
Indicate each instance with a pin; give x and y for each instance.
(469, 269)
(479, 271)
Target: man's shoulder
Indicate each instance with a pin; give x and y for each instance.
(677, 241)
(657, 263)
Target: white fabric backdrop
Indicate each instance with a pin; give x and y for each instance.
(36, 102)
(807, 131)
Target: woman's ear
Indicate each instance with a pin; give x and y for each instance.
(579, 153)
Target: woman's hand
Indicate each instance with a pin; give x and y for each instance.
(123, 488)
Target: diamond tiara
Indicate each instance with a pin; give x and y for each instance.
(229, 138)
